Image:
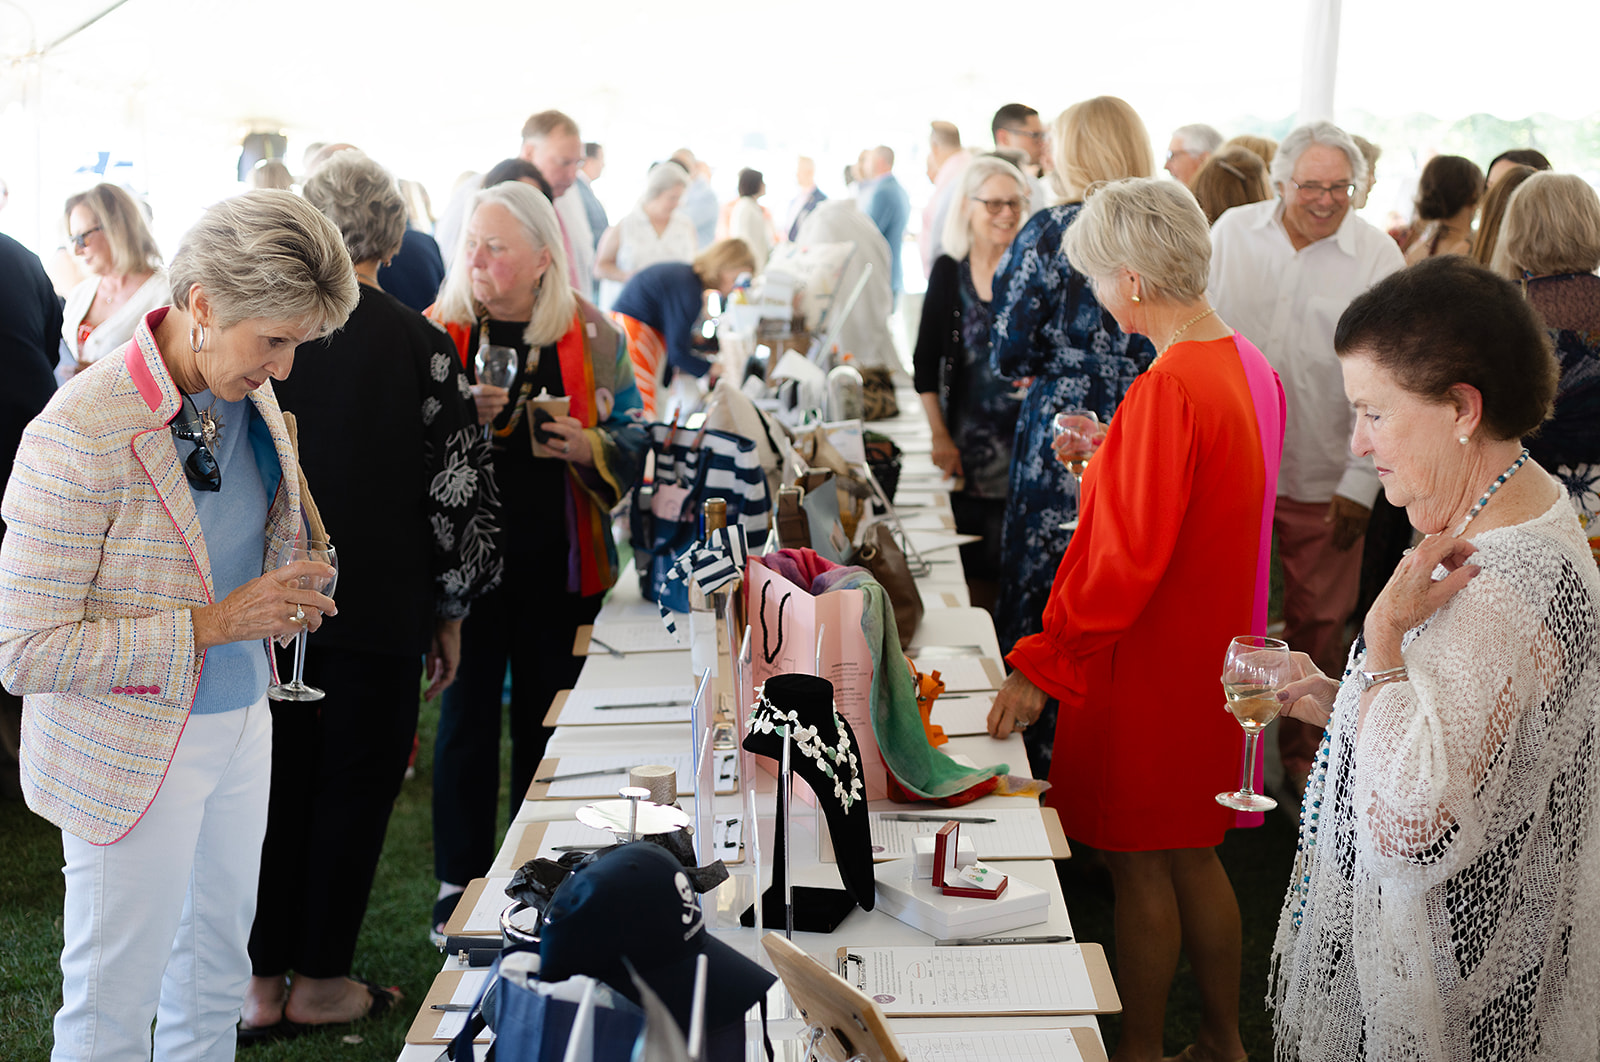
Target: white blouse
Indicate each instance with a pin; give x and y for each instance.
(639, 245)
(115, 331)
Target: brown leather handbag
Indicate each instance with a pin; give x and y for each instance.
(881, 555)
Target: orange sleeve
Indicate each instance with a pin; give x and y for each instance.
(1136, 492)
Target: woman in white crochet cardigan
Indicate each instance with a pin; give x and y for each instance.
(1444, 900)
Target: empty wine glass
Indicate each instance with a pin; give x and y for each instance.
(322, 553)
(1253, 672)
(1076, 435)
(497, 367)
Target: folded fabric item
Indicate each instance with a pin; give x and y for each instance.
(917, 771)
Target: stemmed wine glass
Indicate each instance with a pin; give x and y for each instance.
(1083, 433)
(1253, 672)
(322, 553)
(497, 367)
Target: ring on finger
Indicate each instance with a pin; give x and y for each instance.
(299, 614)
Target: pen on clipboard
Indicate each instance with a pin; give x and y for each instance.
(962, 942)
(454, 1008)
(581, 774)
(642, 704)
(608, 648)
(966, 820)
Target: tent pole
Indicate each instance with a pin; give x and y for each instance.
(1320, 61)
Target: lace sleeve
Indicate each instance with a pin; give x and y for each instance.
(1427, 745)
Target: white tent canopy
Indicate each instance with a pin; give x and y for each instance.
(171, 86)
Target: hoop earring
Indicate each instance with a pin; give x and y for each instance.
(197, 345)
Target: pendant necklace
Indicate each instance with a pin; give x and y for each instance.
(210, 424)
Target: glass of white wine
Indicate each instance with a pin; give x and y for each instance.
(1253, 672)
(1076, 435)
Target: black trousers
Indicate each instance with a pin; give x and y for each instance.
(533, 634)
(337, 766)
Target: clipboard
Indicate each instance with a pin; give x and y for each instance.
(606, 786)
(426, 1023)
(1014, 958)
(617, 717)
(456, 926)
(852, 1024)
(532, 840)
(1059, 848)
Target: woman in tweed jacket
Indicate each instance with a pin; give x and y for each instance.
(146, 502)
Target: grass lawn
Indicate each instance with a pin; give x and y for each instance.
(394, 948)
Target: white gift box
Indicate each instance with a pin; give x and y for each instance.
(922, 905)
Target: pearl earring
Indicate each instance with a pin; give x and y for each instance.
(1462, 440)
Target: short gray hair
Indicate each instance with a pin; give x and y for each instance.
(1301, 137)
(1198, 137)
(1153, 227)
(267, 253)
(554, 302)
(663, 178)
(1552, 225)
(957, 238)
(361, 198)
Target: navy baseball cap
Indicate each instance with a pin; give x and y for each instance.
(636, 902)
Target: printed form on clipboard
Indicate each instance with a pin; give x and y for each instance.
(1011, 979)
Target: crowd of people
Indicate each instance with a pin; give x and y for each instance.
(1278, 378)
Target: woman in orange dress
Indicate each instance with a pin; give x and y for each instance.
(1169, 563)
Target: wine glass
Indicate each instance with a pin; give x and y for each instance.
(1253, 672)
(497, 367)
(1083, 434)
(322, 553)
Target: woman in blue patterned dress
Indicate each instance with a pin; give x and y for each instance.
(1048, 326)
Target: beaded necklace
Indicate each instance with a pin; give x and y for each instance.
(833, 760)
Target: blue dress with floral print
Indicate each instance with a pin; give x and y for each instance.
(1048, 325)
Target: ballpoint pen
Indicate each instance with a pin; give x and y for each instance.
(610, 649)
(961, 942)
(644, 704)
(581, 774)
(903, 816)
(462, 1008)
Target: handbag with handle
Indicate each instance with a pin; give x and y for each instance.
(880, 554)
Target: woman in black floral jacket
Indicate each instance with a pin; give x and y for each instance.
(397, 463)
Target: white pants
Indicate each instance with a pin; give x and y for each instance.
(157, 924)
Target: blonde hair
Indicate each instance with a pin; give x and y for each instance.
(554, 301)
(266, 253)
(360, 197)
(1553, 225)
(1263, 147)
(121, 222)
(722, 256)
(1155, 228)
(1101, 139)
(957, 238)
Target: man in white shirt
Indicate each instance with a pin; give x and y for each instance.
(947, 159)
(550, 141)
(1282, 273)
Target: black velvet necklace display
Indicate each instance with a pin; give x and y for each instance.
(825, 756)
